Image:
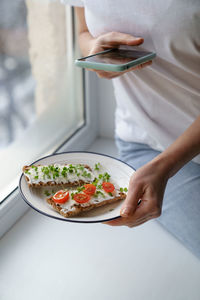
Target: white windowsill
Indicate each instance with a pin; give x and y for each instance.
(42, 258)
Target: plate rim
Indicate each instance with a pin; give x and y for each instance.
(66, 219)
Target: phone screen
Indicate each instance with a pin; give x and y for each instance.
(117, 56)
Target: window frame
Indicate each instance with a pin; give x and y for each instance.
(13, 207)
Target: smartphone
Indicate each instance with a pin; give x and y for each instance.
(115, 60)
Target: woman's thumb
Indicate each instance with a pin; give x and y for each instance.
(130, 204)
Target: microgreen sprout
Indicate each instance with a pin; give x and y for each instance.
(27, 172)
(95, 181)
(97, 167)
(47, 193)
(123, 189)
(80, 188)
(99, 193)
(106, 177)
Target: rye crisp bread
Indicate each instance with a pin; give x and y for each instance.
(79, 209)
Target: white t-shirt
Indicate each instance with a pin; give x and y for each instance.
(156, 104)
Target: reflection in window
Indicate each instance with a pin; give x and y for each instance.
(17, 107)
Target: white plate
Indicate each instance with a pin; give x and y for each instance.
(120, 174)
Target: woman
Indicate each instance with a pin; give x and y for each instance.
(158, 106)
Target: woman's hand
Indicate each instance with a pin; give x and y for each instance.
(114, 40)
(148, 185)
(90, 45)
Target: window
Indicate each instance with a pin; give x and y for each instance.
(42, 93)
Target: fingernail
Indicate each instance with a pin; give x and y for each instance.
(125, 212)
(139, 38)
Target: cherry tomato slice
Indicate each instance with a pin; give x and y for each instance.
(61, 197)
(90, 189)
(108, 187)
(81, 198)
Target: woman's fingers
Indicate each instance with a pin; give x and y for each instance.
(144, 212)
(134, 214)
(148, 209)
(117, 38)
(116, 222)
(141, 66)
(135, 193)
(108, 75)
(144, 198)
(111, 75)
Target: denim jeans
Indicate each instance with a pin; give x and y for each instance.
(181, 203)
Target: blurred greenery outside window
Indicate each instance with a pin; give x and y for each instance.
(41, 93)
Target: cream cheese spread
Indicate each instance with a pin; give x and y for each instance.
(59, 174)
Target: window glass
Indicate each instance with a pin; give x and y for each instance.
(41, 92)
(17, 86)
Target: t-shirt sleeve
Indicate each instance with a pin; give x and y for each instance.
(73, 2)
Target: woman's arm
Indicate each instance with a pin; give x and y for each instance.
(186, 147)
(85, 38)
(90, 45)
(148, 183)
